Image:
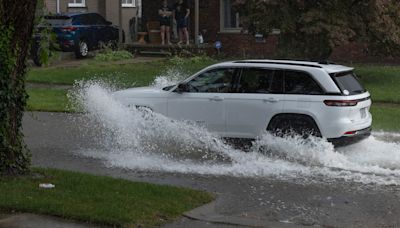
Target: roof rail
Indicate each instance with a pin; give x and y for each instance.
(320, 61)
(280, 63)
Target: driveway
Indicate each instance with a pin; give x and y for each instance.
(55, 138)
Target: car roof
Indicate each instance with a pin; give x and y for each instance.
(329, 67)
(70, 14)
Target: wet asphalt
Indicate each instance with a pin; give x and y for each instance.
(53, 139)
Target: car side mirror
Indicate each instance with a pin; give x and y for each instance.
(108, 23)
(182, 88)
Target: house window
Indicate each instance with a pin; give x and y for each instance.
(128, 3)
(229, 17)
(76, 3)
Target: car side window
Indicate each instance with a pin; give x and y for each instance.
(97, 19)
(83, 19)
(277, 82)
(77, 20)
(213, 81)
(301, 83)
(255, 80)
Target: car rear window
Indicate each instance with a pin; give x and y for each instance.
(348, 83)
(56, 21)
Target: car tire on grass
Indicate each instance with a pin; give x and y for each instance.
(82, 49)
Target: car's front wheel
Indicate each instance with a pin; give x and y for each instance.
(82, 49)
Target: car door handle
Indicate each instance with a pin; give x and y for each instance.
(270, 100)
(216, 99)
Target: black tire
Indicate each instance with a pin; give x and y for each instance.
(36, 58)
(114, 45)
(35, 55)
(82, 49)
(292, 124)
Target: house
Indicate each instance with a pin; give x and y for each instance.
(217, 20)
(109, 9)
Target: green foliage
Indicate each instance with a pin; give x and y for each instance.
(14, 157)
(45, 48)
(196, 60)
(312, 28)
(107, 53)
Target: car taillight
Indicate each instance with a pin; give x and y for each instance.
(341, 103)
(69, 29)
(350, 133)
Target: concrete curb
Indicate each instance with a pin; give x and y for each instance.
(208, 213)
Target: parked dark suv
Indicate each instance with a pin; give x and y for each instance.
(80, 32)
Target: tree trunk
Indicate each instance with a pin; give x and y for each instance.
(16, 25)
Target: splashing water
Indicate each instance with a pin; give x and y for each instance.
(139, 139)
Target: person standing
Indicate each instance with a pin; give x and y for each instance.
(165, 13)
(181, 15)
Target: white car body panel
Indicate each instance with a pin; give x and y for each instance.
(247, 115)
(206, 109)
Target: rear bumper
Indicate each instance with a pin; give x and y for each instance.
(347, 140)
(67, 45)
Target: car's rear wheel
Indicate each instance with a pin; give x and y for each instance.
(82, 49)
(294, 124)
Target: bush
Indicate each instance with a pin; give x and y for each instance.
(108, 54)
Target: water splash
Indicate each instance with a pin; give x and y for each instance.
(138, 139)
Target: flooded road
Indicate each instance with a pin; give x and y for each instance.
(134, 139)
(287, 181)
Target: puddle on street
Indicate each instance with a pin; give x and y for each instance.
(139, 140)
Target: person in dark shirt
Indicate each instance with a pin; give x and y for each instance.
(165, 13)
(181, 15)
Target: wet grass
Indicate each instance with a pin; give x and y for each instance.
(49, 100)
(97, 199)
(125, 75)
(383, 82)
(386, 117)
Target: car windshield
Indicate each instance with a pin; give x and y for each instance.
(348, 83)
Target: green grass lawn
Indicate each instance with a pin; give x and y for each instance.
(127, 75)
(383, 82)
(386, 117)
(51, 100)
(97, 199)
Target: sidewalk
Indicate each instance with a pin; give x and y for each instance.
(26, 220)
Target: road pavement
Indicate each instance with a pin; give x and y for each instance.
(54, 139)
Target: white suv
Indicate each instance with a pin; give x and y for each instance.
(242, 99)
